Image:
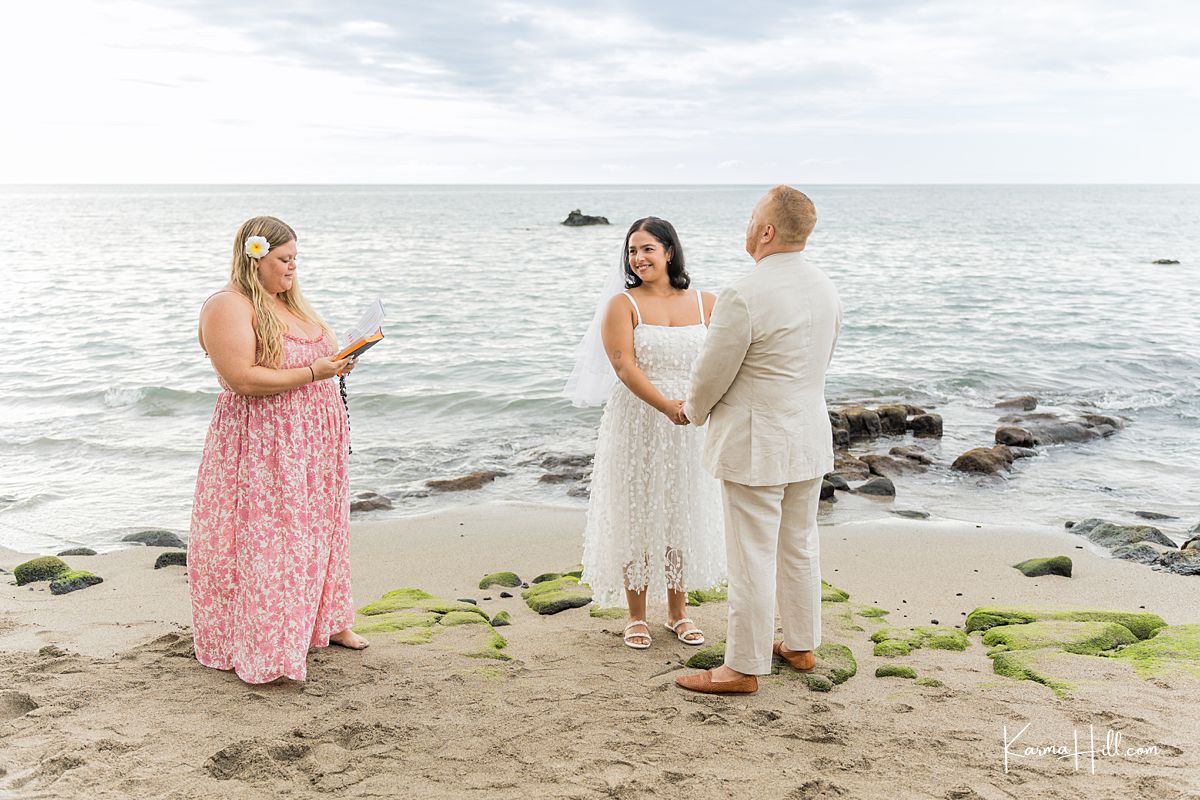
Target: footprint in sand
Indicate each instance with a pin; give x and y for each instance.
(14, 705)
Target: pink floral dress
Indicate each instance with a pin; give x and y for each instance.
(268, 553)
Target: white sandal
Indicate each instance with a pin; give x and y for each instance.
(695, 631)
(629, 637)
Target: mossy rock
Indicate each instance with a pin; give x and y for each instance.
(832, 594)
(508, 579)
(836, 662)
(1022, 665)
(606, 613)
(929, 682)
(816, 683)
(155, 537)
(1084, 638)
(398, 621)
(44, 568)
(417, 600)
(551, 597)
(501, 619)
(574, 572)
(1173, 649)
(708, 658)
(73, 580)
(462, 618)
(78, 551)
(872, 612)
(1037, 567)
(895, 642)
(1140, 624)
(698, 597)
(895, 671)
(175, 559)
(547, 576)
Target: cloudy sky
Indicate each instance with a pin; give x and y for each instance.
(609, 91)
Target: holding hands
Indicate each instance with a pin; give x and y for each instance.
(674, 412)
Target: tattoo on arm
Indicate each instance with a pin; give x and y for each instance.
(617, 355)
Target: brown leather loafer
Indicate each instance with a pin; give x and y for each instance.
(799, 660)
(702, 682)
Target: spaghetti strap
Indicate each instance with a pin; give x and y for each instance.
(636, 310)
(700, 305)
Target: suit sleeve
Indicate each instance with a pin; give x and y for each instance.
(720, 359)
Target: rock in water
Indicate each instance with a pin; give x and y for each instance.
(155, 537)
(929, 425)
(1153, 515)
(893, 419)
(73, 580)
(1164, 261)
(1024, 402)
(1107, 534)
(474, 480)
(891, 467)
(369, 501)
(171, 560)
(78, 551)
(40, 569)
(912, 453)
(577, 219)
(1036, 567)
(862, 422)
(1012, 435)
(837, 481)
(878, 487)
(986, 460)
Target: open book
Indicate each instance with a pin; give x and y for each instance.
(365, 333)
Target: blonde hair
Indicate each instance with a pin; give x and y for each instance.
(268, 327)
(792, 213)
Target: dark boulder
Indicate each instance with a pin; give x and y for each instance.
(985, 460)
(926, 425)
(1024, 402)
(154, 537)
(1036, 567)
(175, 559)
(862, 422)
(1181, 562)
(1153, 515)
(78, 551)
(1023, 452)
(1164, 261)
(578, 219)
(1191, 544)
(1108, 534)
(909, 513)
(913, 453)
(474, 480)
(1140, 552)
(1014, 436)
(827, 490)
(850, 467)
(893, 419)
(877, 487)
(837, 481)
(841, 438)
(369, 501)
(73, 581)
(891, 467)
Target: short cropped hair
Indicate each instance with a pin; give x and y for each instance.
(792, 213)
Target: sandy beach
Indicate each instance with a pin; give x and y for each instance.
(100, 696)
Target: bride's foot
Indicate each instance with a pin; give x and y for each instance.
(350, 639)
(686, 631)
(634, 636)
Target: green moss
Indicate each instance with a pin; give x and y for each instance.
(836, 662)
(1175, 648)
(929, 682)
(1140, 624)
(574, 572)
(417, 600)
(547, 576)
(606, 613)
(894, 642)
(893, 649)
(462, 618)
(551, 597)
(40, 569)
(817, 683)
(698, 597)
(396, 621)
(1085, 638)
(832, 594)
(943, 638)
(895, 671)
(708, 658)
(73, 580)
(1036, 567)
(492, 649)
(502, 619)
(871, 612)
(509, 579)
(1020, 665)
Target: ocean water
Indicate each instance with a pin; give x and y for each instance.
(955, 296)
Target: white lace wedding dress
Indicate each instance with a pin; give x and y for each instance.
(654, 518)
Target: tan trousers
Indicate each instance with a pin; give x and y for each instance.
(774, 557)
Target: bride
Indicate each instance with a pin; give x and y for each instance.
(654, 523)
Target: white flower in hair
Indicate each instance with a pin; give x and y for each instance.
(257, 246)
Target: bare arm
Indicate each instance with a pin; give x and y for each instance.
(227, 333)
(617, 334)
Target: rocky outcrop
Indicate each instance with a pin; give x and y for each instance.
(40, 569)
(154, 537)
(892, 467)
(474, 480)
(849, 467)
(984, 460)
(369, 501)
(861, 422)
(578, 219)
(1109, 534)
(893, 419)
(913, 453)
(1014, 436)
(1047, 427)
(927, 425)
(174, 559)
(1181, 562)
(877, 487)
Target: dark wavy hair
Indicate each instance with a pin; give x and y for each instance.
(665, 233)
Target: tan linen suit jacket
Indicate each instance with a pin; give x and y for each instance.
(760, 379)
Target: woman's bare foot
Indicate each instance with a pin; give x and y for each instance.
(350, 639)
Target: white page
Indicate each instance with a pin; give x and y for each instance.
(370, 322)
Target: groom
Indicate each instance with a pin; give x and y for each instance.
(760, 381)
